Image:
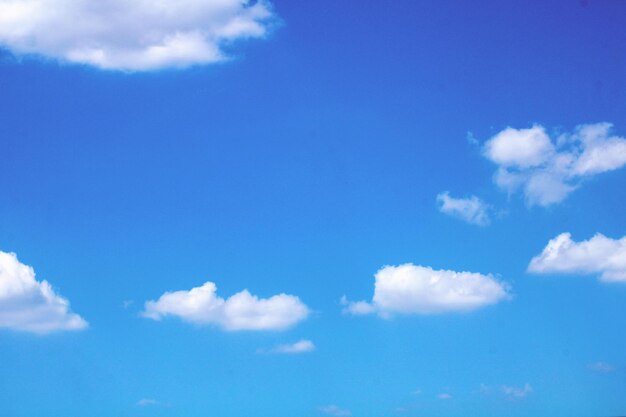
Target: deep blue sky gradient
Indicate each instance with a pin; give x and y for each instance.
(303, 165)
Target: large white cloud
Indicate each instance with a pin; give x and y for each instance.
(598, 255)
(414, 289)
(131, 35)
(241, 311)
(30, 305)
(546, 170)
(472, 209)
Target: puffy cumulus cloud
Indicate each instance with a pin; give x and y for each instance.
(598, 255)
(334, 410)
(521, 148)
(414, 289)
(30, 305)
(547, 170)
(472, 210)
(131, 35)
(241, 311)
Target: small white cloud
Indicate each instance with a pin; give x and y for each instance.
(444, 396)
(598, 255)
(547, 171)
(147, 401)
(357, 308)
(301, 346)
(516, 392)
(30, 305)
(414, 289)
(242, 311)
(520, 148)
(472, 210)
(132, 35)
(334, 410)
(601, 367)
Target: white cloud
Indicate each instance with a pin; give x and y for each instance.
(242, 311)
(147, 401)
(334, 410)
(356, 308)
(520, 148)
(516, 392)
(132, 35)
(601, 367)
(598, 255)
(509, 391)
(414, 289)
(301, 346)
(444, 396)
(546, 170)
(30, 305)
(472, 210)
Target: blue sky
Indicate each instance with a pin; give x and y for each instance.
(469, 159)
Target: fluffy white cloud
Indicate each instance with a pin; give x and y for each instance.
(242, 311)
(131, 35)
(547, 171)
(30, 305)
(598, 255)
(521, 148)
(414, 289)
(334, 410)
(472, 210)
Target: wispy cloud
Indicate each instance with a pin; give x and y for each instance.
(242, 311)
(334, 410)
(509, 391)
(547, 170)
(30, 305)
(601, 367)
(516, 392)
(302, 346)
(131, 35)
(598, 255)
(471, 210)
(444, 396)
(414, 289)
(148, 402)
